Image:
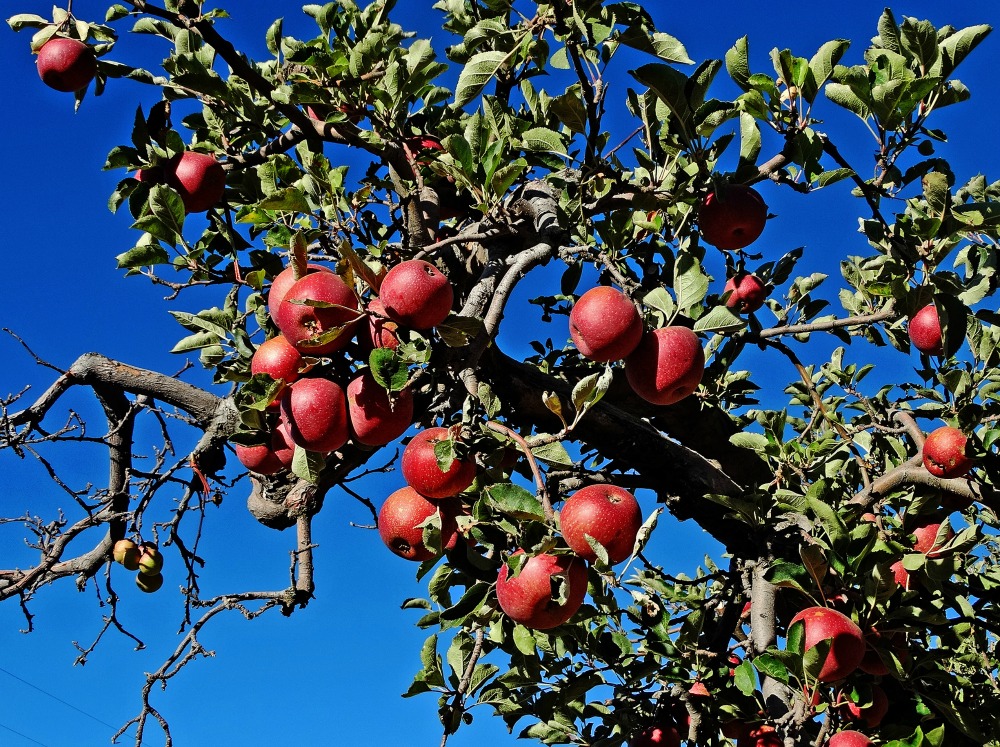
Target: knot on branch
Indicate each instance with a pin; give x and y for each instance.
(539, 202)
(276, 502)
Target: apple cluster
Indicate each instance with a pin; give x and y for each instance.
(319, 314)
(144, 558)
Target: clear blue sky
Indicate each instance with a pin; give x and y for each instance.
(333, 673)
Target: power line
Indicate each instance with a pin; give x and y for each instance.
(58, 699)
(23, 736)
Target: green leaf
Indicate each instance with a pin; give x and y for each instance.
(669, 86)
(771, 666)
(289, 199)
(738, 63)
(661, 300)
(458, 331)
(514, 500)
(388, 369)
(553, 453)
(744, 678)
(719, 319)
(543, 139)
(307, 465)
(478, 71)
(690, 282)
(590, 389)
(842, 95)
(524, 640)
(197, 341)
(143, 255)
(570, 110)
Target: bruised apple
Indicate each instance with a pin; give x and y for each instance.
(375, 418)
(316, 410)
(944, 453)
(546, 593)
(422, 472)
(416, 294)
(609, 514)
(401, 520)
(840, 635)
(667, 366)
(325, 325)
(605, 325)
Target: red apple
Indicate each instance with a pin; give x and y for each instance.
(609, 514)
(382, 331)
(605, 325)
(733, 217)
(657, 736)
(375, 418)
(421, 471)
(304, 325)
(699, 690)
(846, 643)
(278, 359)
(849, 738)
(746, 293)
(282, 444)
(873, 713)
(925, 331)
(667, 366)
(198, 178)
(285, 280)
(944, 453)
(900, 575)
(400, 523)
(66, 64)
(152, 175)
(416, 294)
(528, 598)
(735, 730)
(761, 736)
(925, 534)
(259, 458)
(316, 410)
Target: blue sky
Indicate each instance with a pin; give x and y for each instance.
(333, 673)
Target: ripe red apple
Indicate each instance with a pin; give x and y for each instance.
(699, 690)
(944, 453)
(609, 514)
(285, 280)
(382, 331)
(259, 458)
(761, 736)
(400, 520)
(66, 64)
(277, 358)
(416, 294)
(198, 178)
(605, 325)
(527, 598)
(657, 736)
(152, 175)
(846, 643)
(900, 575)
(282, 444)
(667, 366)
(732, 217)
(375, 418)
(849, 738)
(316, 409)
(746, 293)
(419, 144)
(925, 331)
(126, 552)
(302, 324)
(925, 534)
(873, 713)
(420, 468)
(149, 582)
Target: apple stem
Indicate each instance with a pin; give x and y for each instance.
(543, 493)
(297, 255)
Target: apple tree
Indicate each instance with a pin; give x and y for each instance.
(373, 218)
